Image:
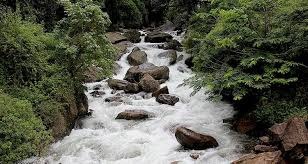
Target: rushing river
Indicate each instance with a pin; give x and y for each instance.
(105, 140)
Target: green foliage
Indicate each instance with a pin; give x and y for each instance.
(21, 133)
(84, 43)
(126, 13)
(250, 47)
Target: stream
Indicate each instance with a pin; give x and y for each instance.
(106, 140)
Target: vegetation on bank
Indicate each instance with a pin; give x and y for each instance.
(253, 52)
(41, 73)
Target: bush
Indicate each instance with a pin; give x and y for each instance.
(22, 134)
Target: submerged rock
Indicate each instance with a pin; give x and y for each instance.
(137, 57)
(97, 93)
(134, 74)
(158, 37)
(262, 158)
(148, 83)
(192, 140)
(133, 115)
(167, 99)
(114, 99)
(171, 55)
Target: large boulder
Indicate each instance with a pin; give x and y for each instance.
(262, 158)
(115, 37)
(158, 37)
(117, 84)
(291, 133)
(193, 140)
(133, 115)
(132, 88)
(167, 99)
(163, 90)
(173, 45)
(149, 84)
(133, 35)
(137, 57)
(170, 54)
(134, 74)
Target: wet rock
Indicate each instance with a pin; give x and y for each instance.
(117, 84)
(97, 94)
(167, 99)
(173, 45)
(132, 88)
(163, 90)
(245, 125)
(137, 57)
(97, 87)
(182, 69)
(175, 162)
(149, 84)
(291, 133)
(171, 54)
(180, 58)
(265, 148)
(116, 68)
(194, 156)
(189, 62)
(265, 140)
(192, 140)
(158, 37)
(262, 158)
(133, 35)
(122, 48)
(134, 74)
(114, 99)
(115, 37)
(162, 81)
(93, 74)
(133, 115)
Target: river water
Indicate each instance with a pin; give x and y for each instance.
(105, 140)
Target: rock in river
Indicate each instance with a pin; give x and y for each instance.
(192, 140)
(167, 99)
(137, 57)
(149, 84)
(158, 37)
(134, 74)
(133, 115)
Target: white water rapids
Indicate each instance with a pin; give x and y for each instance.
(105, 140)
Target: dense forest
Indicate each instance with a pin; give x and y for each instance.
(251, 53)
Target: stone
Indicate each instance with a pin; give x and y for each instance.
(137, 57)
(97, 87)
(133, 115)
(157, 37)
(115, 37)
(132, 88)
(122, 48)
(173, 45)
(262, 158)
(193, 140)
(149, 84)
(194, 156)
(167, 99)
(116, 68)
(163, 90)
(265, 140)
(171, 54)
(245, 124)
(133, 35)
(114, 99)
(134, 74)
(291, 133)
(265, 148)
(97, 94)
(189, 62)
(117, 84)
(180, 58)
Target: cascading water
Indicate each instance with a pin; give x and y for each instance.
(105, 140)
